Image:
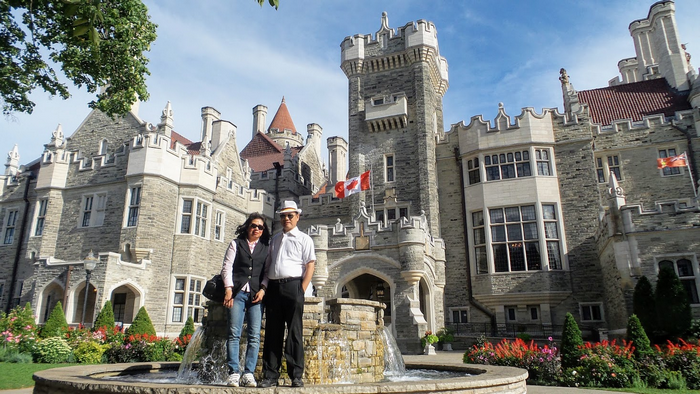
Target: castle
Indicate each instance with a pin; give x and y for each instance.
(492, 226)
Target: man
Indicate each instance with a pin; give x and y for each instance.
(288, 271)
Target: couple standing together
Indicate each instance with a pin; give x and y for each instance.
(278, 269)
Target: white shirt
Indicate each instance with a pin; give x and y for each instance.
(289, 254)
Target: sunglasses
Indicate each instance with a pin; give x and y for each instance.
(257, 227)
(287, 215)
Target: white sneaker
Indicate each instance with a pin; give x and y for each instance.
(233, 379)
(248, 380)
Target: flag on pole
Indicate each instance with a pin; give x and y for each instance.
(352, 185)
(673, 161)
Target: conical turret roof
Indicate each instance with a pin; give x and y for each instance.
(282, 120)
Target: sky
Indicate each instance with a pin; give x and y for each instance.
(233, 55)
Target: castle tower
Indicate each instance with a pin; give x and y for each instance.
(314, 132)
(282, 129)
(337, 157)
(396, 83)
(209, 115)
(166, 120)
(259, 117)
(659, 51)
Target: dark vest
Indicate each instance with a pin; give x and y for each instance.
(247, 267)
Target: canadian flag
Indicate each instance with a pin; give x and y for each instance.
(352, 185)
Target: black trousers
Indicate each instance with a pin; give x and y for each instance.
(284, 305)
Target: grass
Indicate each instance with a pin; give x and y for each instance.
(17, 376)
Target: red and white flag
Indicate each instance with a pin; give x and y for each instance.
(673, 161)
(352, 185)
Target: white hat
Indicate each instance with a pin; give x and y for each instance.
(289, 206)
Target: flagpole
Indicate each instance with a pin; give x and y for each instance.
(692, 180)
(371, 189)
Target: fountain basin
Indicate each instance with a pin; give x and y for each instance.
(91, 379)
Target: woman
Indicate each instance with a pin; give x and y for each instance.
(242, 272)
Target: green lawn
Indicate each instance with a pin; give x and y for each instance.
(17, 376)
(653, 391)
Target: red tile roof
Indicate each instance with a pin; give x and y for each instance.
(261, 152)
(633, 101)
(192, 147)
(282, 119)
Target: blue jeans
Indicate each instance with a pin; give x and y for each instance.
(243, 304)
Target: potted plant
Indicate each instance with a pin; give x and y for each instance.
(427, 342)
(445, 338)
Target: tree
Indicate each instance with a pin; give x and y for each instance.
(188, 329)
(673, 312)
(98, 43)
(571, 342)
(636, 334)
(643, 305)
(142, 324)
(56, 325)
(106, 317)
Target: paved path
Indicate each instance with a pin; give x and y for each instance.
(440, 357)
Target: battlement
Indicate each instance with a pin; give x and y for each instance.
(527, 128)
(684, 117)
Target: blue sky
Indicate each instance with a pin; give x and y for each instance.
(233, 55)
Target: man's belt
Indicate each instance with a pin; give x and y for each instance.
(284, 280)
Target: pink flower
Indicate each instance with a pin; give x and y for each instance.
(550, 339)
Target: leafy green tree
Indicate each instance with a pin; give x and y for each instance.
(636, 334)
(644, 305)
(56, 325)
(273, 3)
(188, 329)
(142, 324)
(98, 43)
(571, 341)
(106, 317)
(673, 312)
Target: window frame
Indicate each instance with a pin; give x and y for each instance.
(389, 168)
(601, 312)
(604, 164)
(94, 216)
(694, 267)
(40, 209)
(462, 311)
(133, 208)
(219, 225)
(188, 292)
(197, 223)
(9, 223)
(668, 171)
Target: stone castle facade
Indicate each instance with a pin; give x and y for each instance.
(491, 226)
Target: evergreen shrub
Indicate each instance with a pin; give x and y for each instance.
(56, 325)
(636, 335)
(673, 312)
(644, 305)
(141, 325)
(571, 341)
(105, 318)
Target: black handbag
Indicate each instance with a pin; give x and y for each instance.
(214, 289)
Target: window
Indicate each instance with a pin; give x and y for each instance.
(119, 307)
(591, 312)
(507, 165)
(194, 218)
(667, 171)
(40, 217)
(473, 171)
(514, 239)
(460, 315)
(391, 214)
(219, 226)
(534, 313)
(18, 294)
(103, 147)
(479, 243)
(186, 219)
(605, 164)
(379, 215)
(9, 227)
(551, 234)
(389, 168)
(93, 210)
(2, 290)
(543, 162)
(229, 178)
(685, 271)
(187, 299)
(511, 314)
(134, 204)
(403, 212)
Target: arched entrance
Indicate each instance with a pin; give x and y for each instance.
(426, 304)
(80, 302)
(369, 287)
(125, 301)
(52, 294)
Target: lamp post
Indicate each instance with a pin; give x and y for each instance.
(89, 264)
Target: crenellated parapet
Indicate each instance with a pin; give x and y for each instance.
(389, 49)
(648, 122)
(527, 128)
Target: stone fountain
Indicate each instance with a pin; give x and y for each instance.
(345, 355)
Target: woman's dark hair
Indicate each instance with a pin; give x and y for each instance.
(242, 230)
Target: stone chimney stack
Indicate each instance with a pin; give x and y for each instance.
(259, 118)
(209, 115)
(337, 159)
(314, 133)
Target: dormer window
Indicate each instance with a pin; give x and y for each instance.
(378, 101)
